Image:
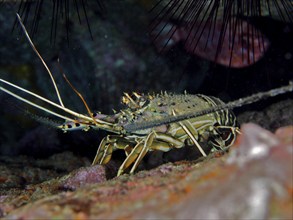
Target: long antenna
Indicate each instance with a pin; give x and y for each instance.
(35, 105)
(61, 106)
(41, 98)
(39, 55)
(230, 105)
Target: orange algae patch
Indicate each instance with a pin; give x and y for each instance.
(81, 216)
(187, 189)
(210, 175)
(290, 191)
(218, 172)
(174, 198)
(285, 134)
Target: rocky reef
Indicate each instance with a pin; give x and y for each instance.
(45, 173)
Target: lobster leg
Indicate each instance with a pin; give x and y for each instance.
(134, 153)
(109, 144)
(130, 158)
(146, 146)
(154, 141)
(192, 133)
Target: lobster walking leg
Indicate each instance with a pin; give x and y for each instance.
(191, 132)
(130, 158)
(147, 144)
(109, 144)
(154, 141)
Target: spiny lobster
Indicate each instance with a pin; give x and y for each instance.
(152, 122)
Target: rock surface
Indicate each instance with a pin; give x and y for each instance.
(252, 181)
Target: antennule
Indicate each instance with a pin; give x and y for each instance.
(82, 99)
